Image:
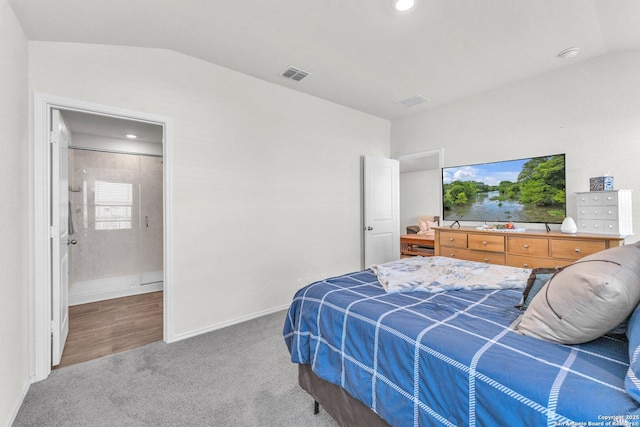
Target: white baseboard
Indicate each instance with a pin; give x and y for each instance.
(114, 287)
(235, 321)
(23, 394)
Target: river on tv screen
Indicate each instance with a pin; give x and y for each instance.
(525, 190)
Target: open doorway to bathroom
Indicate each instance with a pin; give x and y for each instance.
(115, 189)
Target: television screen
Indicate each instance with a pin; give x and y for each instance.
(526, 190)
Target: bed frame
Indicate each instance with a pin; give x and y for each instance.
(344, 408)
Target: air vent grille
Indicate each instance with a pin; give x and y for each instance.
(413, 101)
(294, 73)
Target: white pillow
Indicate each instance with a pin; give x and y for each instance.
(586, 299)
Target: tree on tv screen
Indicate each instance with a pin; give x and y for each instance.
(542, 182)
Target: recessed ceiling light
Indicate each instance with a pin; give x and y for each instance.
(569, 53)
(403, 5)
(131, 136)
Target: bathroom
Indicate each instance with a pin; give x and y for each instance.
(116, 208)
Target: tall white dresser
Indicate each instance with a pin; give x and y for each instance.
(605, 212)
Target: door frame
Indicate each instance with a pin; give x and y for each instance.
(41, 316)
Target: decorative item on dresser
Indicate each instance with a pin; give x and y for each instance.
(605, 212)
(529, 249)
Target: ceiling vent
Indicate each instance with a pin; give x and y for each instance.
(293, 73)
(413, 101)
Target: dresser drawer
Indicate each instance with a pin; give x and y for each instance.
(612, 227)
(575, 249)
(485, 242)
(456, 240)
(610, 199)
(469, 255)
(590, 212)
(591, 226)
(530, 262)
(528, 246)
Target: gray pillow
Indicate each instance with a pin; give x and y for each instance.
(586, 299)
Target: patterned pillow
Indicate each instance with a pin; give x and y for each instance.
(587, 298)
(537, 279)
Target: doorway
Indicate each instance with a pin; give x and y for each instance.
(44, 294)
(420, 186)
(115, 207)
(115, 222)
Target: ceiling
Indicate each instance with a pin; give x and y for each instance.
(359, 53)
(112, 127)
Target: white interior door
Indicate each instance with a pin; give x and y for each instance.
(381, 210)
(60, 238)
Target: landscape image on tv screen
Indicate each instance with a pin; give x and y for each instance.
(524, 190)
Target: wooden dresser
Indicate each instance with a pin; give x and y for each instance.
(529, 249)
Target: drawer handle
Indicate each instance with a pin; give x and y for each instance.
(526, 246)
(452, 255)
(484, 243)
(610, 212)
(486, 260)
(596, 212)
(451, 239)
(577, 250)
(596, 226)
(525, 265)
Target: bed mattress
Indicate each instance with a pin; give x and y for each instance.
(451, 358)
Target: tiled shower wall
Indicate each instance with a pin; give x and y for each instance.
(116, 209)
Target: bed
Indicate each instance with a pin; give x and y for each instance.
(454, 357)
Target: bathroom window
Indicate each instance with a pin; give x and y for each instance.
(113, 205)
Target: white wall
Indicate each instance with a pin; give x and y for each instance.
(589, 110)
(14, 332)
(267, 181)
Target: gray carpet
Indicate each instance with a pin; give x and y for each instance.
(236, 376)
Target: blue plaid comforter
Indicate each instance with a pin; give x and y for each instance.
(451, 359)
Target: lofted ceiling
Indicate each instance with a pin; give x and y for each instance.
(359, 53)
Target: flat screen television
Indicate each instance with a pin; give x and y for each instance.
(530, 190)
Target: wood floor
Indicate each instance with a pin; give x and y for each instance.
(106, 327)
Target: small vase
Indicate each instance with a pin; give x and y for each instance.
(568, 225)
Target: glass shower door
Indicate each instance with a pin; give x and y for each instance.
(116, 204)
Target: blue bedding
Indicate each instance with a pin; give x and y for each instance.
(451, 359)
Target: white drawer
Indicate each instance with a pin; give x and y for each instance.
(612, 227)
(591, 212)
(610, 199)
(591, 226)
(596, 199)
(584, 212)
(610, 213)
(583, 199)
